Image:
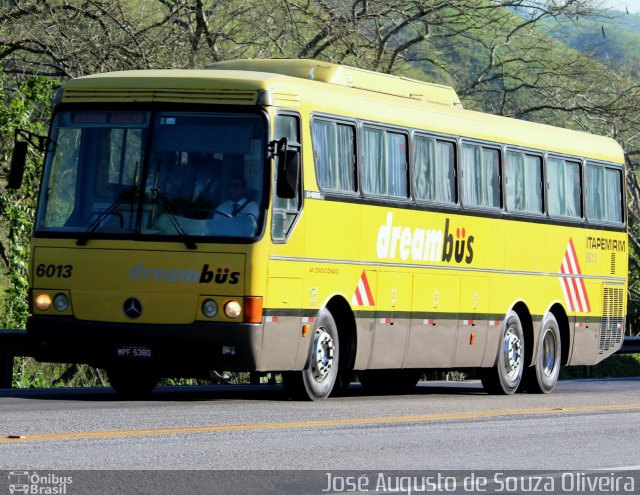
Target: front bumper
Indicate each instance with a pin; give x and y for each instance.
(175, 350)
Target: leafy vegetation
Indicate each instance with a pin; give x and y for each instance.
(617, 366)
(24, 110)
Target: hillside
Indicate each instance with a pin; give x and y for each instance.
(614, 39)
(533, 74)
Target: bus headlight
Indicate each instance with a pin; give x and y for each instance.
(61, 302)
(43, 301)
(209, 308)
(232, 309)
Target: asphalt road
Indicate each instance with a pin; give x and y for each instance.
(582, 425)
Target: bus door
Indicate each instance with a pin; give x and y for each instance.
(283, 346)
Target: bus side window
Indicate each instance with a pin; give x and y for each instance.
(334, 152)
(563, 187)
(384, 163)
(434, 170)
(603, 193)
(285, 210)
(480, 176)
(523, 182)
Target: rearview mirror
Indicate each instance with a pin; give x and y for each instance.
(18, 163)
(288, 169)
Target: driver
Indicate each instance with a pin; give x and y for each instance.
(238, 203)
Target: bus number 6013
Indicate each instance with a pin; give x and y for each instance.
(50, 271)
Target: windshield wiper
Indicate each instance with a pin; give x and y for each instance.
(111, 210)
(157, 193)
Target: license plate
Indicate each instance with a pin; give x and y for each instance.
(134, 352)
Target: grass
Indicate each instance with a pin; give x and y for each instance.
(616, 366)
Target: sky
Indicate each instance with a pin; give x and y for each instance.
(632, 5)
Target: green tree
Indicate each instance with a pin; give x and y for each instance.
(26, 110)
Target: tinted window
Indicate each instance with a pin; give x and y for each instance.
(563, 188)
(434, 170)
(334, 152)
(384, 163)
(480, 168)
(523, 182)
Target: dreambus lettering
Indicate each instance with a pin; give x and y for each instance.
(184, 276)
(424, 244)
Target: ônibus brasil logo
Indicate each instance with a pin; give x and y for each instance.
(424, 244)
(35, 483)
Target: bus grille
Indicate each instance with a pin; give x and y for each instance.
(613, 263)
(611, 328)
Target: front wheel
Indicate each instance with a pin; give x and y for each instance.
(317, 380)
(505, 376)
(541, 378)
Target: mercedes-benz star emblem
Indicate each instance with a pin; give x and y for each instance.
(132, 307)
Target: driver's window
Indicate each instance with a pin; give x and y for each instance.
(285, 210)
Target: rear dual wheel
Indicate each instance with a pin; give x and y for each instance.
(506, 375)
(542, 377)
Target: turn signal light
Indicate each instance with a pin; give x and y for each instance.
(252, 309)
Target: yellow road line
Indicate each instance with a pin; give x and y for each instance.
(419, 418)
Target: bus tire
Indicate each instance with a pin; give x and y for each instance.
(132, 382)
(387, 382)
(541, 378)
(343, 381)
(319, 377)
(505, 377)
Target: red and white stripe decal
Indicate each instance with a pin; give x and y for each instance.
(428, 322)
(574, 290)
(468, 323)
(386, 321)
(362, 295)
(308, 319)
(495, 323)
(271, 319)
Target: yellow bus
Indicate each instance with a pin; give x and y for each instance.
(320, 221)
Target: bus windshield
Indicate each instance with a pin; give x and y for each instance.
(137, 173)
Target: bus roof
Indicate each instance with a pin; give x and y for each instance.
(322, 87)
(350, 77)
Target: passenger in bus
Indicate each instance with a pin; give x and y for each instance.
(206, 170)
(166, 177)
(177, 187)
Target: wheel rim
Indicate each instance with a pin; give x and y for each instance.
(512, 351)
(323, 350)
(548, 352)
